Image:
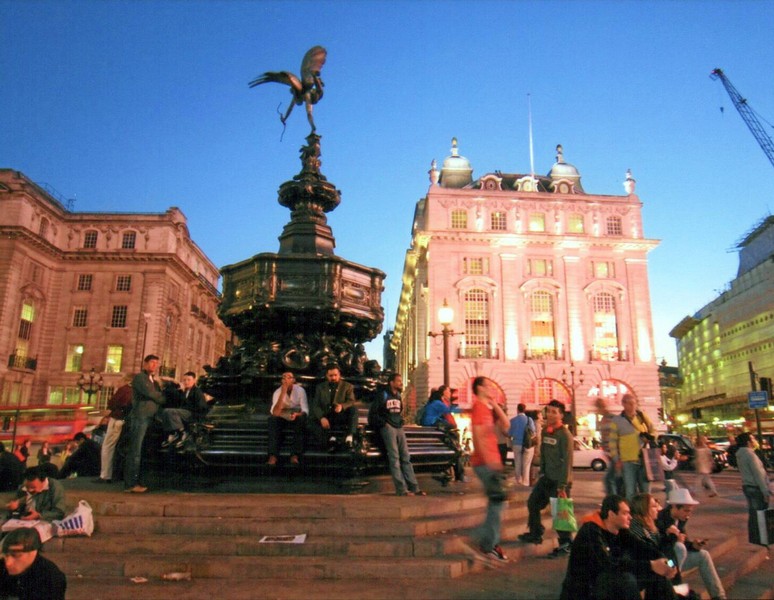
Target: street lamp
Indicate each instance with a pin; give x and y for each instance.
(445, 318)
(573, 385)
(94, 384)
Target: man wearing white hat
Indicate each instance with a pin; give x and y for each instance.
(671, 523)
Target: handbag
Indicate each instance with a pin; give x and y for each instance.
(563, 513)
(765, 521)
(78, 522)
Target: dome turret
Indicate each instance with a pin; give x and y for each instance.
(565, 178)
(456, 171)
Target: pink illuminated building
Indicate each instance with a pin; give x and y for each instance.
(547, 283)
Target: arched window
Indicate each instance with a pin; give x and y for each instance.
(605, 328)
(476, 310)
(43, 229)
(542, 342)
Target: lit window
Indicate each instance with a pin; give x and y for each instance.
(80, 316)
(74, 358)
(459, 218)
(605, 327)
(499, 222)
(473, 265)
(114, 356)
(27, 318)
(476, 306)
(90, 239)
(575, 224)
(128, 240)
(123, 283)
(542, 343)
(537, 222)
(614, 226)
(603, 270)
(118, 319)
(84, 283)
(540, 267)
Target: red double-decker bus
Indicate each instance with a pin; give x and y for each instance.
(54, 425)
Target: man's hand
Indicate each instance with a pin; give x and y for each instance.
(324, 423)
(700, 543)
(13, 505)
(660, 566)
(33, 515)
(673, 530)
(337, 408)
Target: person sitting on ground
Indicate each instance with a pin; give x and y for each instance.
(11, 470)
(39, 498)
(689, 553)
(333, 405)
(192, 408)
(85, 459)
(24, 573)
(645, 509)
(289, 409)
(23, 451)
(608, 563)
(44, 454)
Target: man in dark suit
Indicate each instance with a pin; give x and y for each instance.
(193, 407)
(147, 396)
(333, 404)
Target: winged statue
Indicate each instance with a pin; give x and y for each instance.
(307, 90)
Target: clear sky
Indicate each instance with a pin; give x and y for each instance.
(138, 106)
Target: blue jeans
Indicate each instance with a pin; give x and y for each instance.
(399, 459)
(138, 426)
(634, 479)
(488, 533)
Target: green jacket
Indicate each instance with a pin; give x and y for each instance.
(556, 455)
(49, 503)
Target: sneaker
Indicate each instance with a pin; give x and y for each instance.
(562, 550)
(183, 439)
(499, 552)
(348, 441)
(531, 538)
(332, 444)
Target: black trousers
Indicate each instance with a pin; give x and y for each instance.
(277, 428)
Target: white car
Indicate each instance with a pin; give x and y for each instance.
(583, 457)
(586, 457)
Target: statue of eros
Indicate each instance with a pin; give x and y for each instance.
(308, 90)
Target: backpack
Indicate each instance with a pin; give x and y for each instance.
(530, 438)
(420, 416)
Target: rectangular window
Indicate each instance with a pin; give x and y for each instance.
(123, 283)
(114, 356)
(537, 222)
(56, 396)
(80, 316)
(84, 283)
(499, 221)
(474, 265)
(118, 318)
(540, 267)
(459, 218)
(128, 240)
(575, 224)
(603, 269)
(614, 226)
(74, 358)
(90, 239)
(27, 318)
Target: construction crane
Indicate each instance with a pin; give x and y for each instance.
(749, 116)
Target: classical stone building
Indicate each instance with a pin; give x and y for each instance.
(82, 291)
(718, 345)
(548, 285)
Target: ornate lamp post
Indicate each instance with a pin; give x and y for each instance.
(94, 384)
(445, 318)
(572, 385)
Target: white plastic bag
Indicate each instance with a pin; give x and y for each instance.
(78, 522)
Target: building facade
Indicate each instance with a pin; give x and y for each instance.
(728, 345)
(83, 291)
(548, 286)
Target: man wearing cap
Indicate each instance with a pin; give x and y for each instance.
(689, 553)
(24, 573)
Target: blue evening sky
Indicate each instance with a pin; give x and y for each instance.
(138, 106)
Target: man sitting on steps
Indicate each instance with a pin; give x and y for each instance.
(333, 405)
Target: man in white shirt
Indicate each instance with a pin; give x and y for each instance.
(289, 409)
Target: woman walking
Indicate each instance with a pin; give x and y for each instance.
(755, 483)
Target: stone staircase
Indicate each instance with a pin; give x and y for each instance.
(364, 546)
